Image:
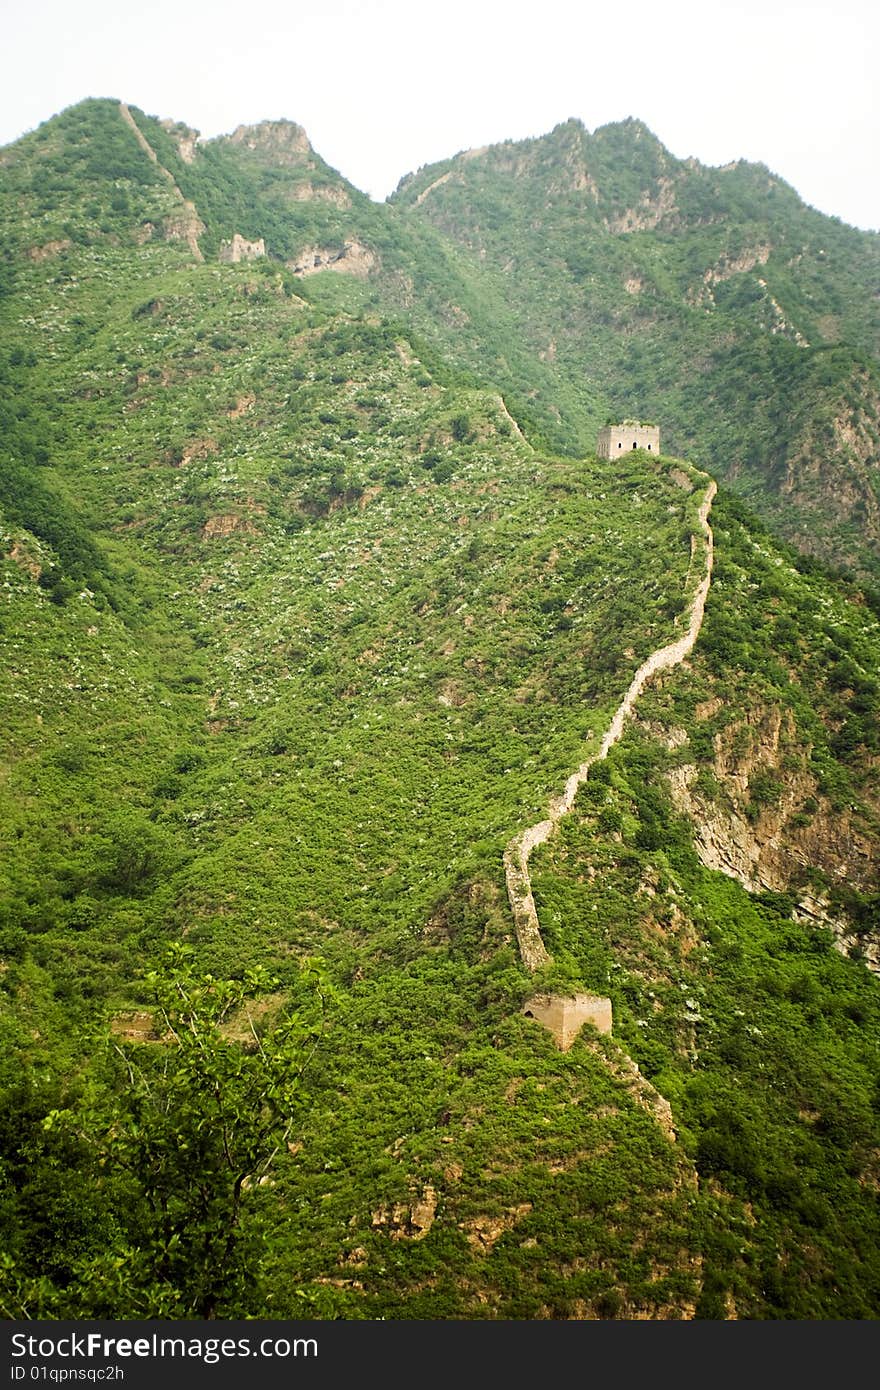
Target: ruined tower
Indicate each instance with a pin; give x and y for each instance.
(629, 434)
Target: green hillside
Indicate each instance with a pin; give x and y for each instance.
(314, 595)
(744, 320)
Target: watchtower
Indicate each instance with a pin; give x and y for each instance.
(565, 1015)
(629, 434)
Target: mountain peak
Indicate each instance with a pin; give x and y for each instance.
(630, 125)
(284, 140)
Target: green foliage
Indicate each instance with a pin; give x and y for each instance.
(745, 1018)
(710, 300)
(173, 1140)
(297, 629)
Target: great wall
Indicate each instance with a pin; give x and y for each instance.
(565, 1015)
(185, 225)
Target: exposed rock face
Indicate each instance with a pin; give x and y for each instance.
(845, 939)
(242, 405)
(354, 259)
(22, 556)
(838, 471)
(412, 1222)
(198, 449)
(650, 212)
(286, 141)
(775, 320)
(187, 226)
(225, 525)
(577, 179)
(773, 846)
(184, 137)
(421, 1213)
(319, 193)
(239, 249)
(48, 249)
(483, 1232)
(728, 266)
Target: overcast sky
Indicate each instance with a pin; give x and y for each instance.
(384, 86)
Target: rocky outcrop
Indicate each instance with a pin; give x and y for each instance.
(185, 226)
(835, 472)
(771, 826)
(484, 1232)
(651, 210)
(319, 193)
(408, 1221)
(285, 141)
(218, 526)
(184, 137)
(48, 249)
(240, 249)
(22, 556)
(725, 268)
(197, 449)
(774, 319)
(242, 405)
(353, 259)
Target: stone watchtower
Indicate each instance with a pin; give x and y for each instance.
(629, 434)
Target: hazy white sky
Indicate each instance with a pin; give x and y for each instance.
(383, 86)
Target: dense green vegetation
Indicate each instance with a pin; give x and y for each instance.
(311, 597)
(750, 1023)
(712, 297)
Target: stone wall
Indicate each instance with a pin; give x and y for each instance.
(565, 1015)
(240, 249)
(629, 434)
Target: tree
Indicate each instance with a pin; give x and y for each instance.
(183, 1133)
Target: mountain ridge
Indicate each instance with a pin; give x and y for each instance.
(301, 616)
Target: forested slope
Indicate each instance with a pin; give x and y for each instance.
(304, 614)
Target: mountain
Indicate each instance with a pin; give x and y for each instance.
(576, 272)
(745, 320)
(314, 596)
